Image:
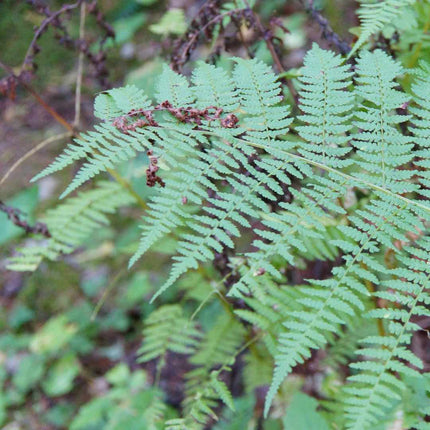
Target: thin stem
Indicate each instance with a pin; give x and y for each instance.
(39, 99)
(371, 288)
(33, 151)
(108, 289)
(44, 26)
(80, 69)
(128, 187)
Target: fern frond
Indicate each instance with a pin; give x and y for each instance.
(226, 176)
(326, 105)
(222, 390)
(259, 93)
(374, 15)
(263, 120)
(208, 91)
(188, 184)
(199, 406)
(119, 101)
(178, 424)
(105, 146)
(72, 222)
(175, 88)
(375, 387)
(166, 329)
(381, 147)
(302, 219)
(421, 130)
(267, 310)
(154, 413)
(330, 302)
(218, 345)
(101, 149)
(108, 145)
(258, 368)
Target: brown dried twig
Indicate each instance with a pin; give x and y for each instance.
(56, 21)
(267, 36)
(205, 24)
(52, 19)
(328, 33)
(15, 214)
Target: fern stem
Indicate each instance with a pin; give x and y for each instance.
(214, 291)
(229, 309)
(108, 289)
(350, 178)
(224, 302)
(128, 187)
(371, 288)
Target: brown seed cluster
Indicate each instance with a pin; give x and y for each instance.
(138, 118)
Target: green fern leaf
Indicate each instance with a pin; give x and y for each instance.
(374, 15)
(71, 223)
(119, 101)
(375, 387)
(222, 390)
(167, 330)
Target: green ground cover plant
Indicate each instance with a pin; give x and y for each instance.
(241, 243)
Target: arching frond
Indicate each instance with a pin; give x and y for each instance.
(71, 223)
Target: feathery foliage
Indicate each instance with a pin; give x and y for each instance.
(167, 330)
(232, 170)
(374, 15)
(71, 223)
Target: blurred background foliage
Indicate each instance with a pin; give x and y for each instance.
(71, 331)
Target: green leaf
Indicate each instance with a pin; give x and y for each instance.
(302, 414)
(53, 336)
(30, 371)
(222, 390)
(126, 27)
(3, 412)
(119, 375)
(172, 22)
(59, 379)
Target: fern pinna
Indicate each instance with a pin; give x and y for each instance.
(345, 180)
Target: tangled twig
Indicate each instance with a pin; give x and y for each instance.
(205, 23)
(328, 33)
(56, 20)
(15, 214)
